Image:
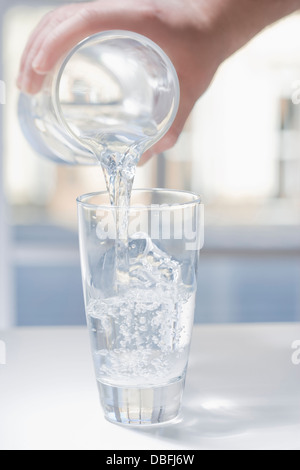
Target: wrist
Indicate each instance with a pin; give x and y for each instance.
(236, 22)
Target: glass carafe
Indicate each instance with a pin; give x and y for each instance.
(115, 86)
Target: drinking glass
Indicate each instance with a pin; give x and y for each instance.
(139, 294)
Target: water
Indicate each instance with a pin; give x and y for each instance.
(140, 331)
(117, 136)
(140, 337)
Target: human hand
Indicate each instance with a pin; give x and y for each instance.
(197, 35)
(170, 25)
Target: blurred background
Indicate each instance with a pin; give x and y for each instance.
(240, 149)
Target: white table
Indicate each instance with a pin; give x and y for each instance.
(242, 392)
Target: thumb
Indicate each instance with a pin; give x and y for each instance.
(170, 138)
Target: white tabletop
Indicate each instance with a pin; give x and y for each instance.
(242, 392)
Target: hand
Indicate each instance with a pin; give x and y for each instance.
(197, 35)
(171, 24)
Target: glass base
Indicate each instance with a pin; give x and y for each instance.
(141, 406)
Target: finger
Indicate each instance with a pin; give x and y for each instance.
(171, 137)
(28, 80)
(146, 157)
(166, 143)
(33, 44)
(85, 20)
(67, 34)
(48, 49)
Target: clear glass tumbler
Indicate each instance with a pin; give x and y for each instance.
(140, 298)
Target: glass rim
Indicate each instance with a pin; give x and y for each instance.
(195, 199)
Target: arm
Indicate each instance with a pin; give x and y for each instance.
(241, 20)
(198, 35)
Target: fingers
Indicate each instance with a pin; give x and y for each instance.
(62, 29)
(25, 80)
(171, 137)
(30, 80)
(84, 22)
(33, 45)
(167, 142)
(62, 39)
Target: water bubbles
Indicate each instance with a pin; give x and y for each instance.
(140, 331)
(145, 327)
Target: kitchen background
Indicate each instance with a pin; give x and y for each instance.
(240, 149)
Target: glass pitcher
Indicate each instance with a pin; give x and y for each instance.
(112, 85)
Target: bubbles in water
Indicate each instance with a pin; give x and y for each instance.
(143, 333)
